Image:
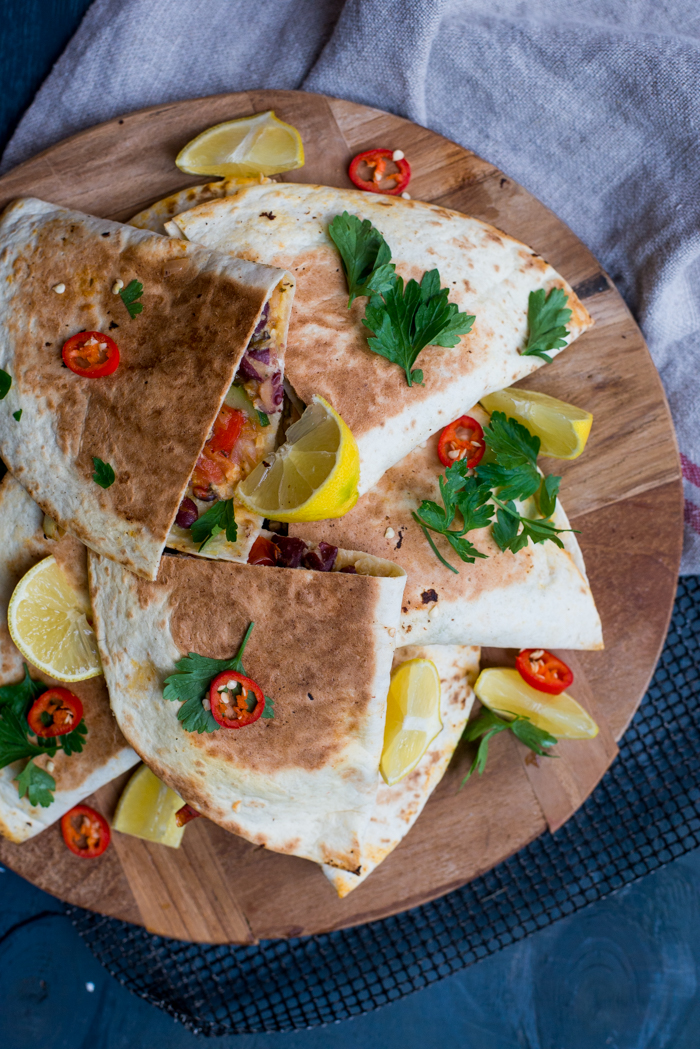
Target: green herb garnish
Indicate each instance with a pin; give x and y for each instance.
(488, 725)
(17, 415)
(219, 518)
(263, 419)
(364, 253)
(129, 295)
(547, 318)
(104, 474)
(506, 530)
(515, 450)
(463, 495)
(191, 683)
(15, 744)
(5, 384)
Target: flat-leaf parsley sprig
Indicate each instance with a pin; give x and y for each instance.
(488, 725)
(460, 494)
(547, 317)
(190, 685)
(130, 295)
(17, 740)
(403, 319)
(218, 518)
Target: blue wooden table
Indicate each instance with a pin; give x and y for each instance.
(623, 973)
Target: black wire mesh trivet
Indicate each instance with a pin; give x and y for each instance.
(643, 813)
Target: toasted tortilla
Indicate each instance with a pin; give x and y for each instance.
(106, 753)
(489, 274)
(304, 782)
(150, 419)
(397, 808)
(537, 598)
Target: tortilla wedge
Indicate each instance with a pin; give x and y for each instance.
(489, 274)
(106, 753)
(397, 808)
(303, 782)
(150, 419)
(537, 598)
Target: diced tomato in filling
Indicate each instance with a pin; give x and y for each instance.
(227, 429)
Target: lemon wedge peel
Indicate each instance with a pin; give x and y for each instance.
(562, 428)
(312, 477)
(147, 810)
(256, 145)
(49, 623)
(412, 719)
(503, 691)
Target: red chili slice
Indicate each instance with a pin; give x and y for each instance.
(185, 814)
(55, 713)
(85, 832)
(91, 354)
(263, 552)
(543, 671)
(462, 439)
(368, 171)
(238, 705)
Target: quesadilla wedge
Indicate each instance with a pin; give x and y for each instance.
(109, 457)
(397, 808)
(106, 753)
(304, 781)
(537, 598)
(488, 274)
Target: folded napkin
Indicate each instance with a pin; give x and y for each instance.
(593, 105)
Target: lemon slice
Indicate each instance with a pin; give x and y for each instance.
(313, 476)
(563, 428)
(257, 145)
(147, 810)
(49, 622)
(412, 718)
(502, 690)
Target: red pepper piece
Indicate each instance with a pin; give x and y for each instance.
(185, 814)
(368, 171)
(543, 671)
(55, 713)
(91, 354)
(227, 429)
(263, 552)
(462, 439)
(85, 832)
(240, 703)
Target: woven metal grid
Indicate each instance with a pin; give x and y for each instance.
(644, 813)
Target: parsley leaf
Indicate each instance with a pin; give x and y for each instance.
(547, 319)
(547, 495)
(516, 449)
(364, 253)
(18, 696)
(488, 725)
(74, 741)
(129, 295)
(14, 744)
(462, 494)
(17, 415)
(263, 419)
(219, 518)
(191, 682)
(37, 784)
(5, 384)
(104, 474)
(406, 319)
(508, 521)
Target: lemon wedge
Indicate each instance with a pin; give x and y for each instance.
(49, 622)
(502, 690)
(313, 476)
(563, 428)
(412, 718)
(147, 810)
(257, 145)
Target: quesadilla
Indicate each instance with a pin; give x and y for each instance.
(304, 781)
(106, 753)
(397, 808)
(489, 275)
(537, 598)
(110, 457)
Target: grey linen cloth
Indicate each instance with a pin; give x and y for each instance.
(593, 105)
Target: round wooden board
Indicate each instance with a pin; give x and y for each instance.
(624, 495)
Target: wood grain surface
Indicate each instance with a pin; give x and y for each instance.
(624, 495)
